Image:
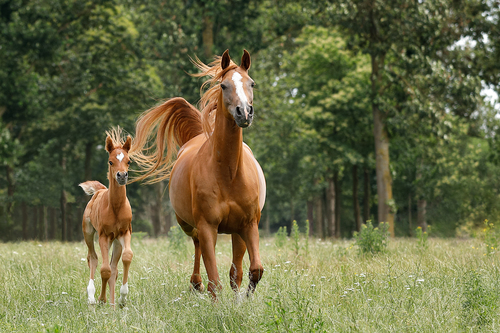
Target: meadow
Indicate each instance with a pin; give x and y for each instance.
(446, 285)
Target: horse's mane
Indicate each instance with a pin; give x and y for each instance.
(116, 135)
(208, 101)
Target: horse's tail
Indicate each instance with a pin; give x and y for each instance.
(166, 126)
(91, 187)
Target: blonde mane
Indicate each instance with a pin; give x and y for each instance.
(116, 135)
(209, 99)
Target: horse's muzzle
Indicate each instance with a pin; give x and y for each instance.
(122, 178)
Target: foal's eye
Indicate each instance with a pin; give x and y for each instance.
(252, 84)
(128, 162)
(223, 86)
(110, 163)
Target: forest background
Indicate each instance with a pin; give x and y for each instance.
(365, 110)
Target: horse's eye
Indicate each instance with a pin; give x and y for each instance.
(253, 84)
(110, 163)
(128, 162)
(223, 86)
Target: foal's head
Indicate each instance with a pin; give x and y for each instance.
(118, 159)
(237, 90)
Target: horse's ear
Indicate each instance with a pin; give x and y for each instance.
(126, 146)
(109, 144)
(245, 61)
(225, 60)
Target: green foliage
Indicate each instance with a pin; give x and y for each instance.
(296, 237)
(281, 237)
(372, 240)
(422, 243)
(177, 240)
(307, 237)
(490, 236)
(479, 303)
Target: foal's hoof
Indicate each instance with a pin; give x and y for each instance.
(199, 287)
(91, 301)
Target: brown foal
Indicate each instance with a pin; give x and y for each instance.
(109, 213)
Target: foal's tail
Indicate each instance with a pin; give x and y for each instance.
(91, 187)
(166, 126)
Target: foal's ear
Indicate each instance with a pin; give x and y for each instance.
(109, 144)
(245, 61)
(126, 146)
(225, 60)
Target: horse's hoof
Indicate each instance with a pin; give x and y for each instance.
(91, 301)
(199, 287)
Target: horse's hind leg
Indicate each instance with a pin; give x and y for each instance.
(251, 238)
(88, 235)
(196, 282)
(236, 272)
(127, 256)
(115, 257)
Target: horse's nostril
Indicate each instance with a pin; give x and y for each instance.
(238, 111)
(250, 110)
(125, 174)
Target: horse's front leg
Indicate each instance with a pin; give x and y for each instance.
(104, 243)
(127, 256)
(115, 258)
(251, 238)
(236, 272)
(207, 234)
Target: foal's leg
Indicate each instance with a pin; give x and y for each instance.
(127, 256)
(115, 257)
(236, 272)
(251, 238)
(104, 243)
(207, 234)
(88, 235)
(196, 282)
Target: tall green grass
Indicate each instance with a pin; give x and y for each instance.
(453, 286)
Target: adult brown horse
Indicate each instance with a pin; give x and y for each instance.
(109, 213)
(216, 184)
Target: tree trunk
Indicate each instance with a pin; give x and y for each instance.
(208, 35)
(330, 207)
(409, 215)
(421, 214)
(156, 209)
(45, 224)
(88, 161)
(357, 210)
(10, 190)
(384, 178)
(338, 195)
(24, 219)
(35, 222)
(63, 215)
(69, 222)
(318, 215)
(366, 193)
(52, 223)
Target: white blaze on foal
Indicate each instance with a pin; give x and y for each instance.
(120, 156)
(239, 89)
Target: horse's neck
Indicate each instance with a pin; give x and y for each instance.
(117, 194)
(227, 147)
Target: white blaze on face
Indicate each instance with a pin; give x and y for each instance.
(120, 156)
(239, 89)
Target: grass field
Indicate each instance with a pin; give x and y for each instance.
(451, 286)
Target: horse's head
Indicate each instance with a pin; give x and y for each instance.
(237, 90)
(118, 159)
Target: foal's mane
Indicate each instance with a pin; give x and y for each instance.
(209, 99)
(116, 135)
